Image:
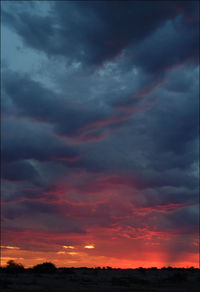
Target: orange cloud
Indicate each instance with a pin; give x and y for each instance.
(9, 247)
(61, 252)
(72, 253)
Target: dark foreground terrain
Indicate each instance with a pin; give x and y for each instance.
(101, 280)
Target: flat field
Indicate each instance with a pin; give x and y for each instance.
(102, 280)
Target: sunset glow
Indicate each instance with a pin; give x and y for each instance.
(9, 247)
(100, 137)
(89, 246)
(68, 246)
(73, 253)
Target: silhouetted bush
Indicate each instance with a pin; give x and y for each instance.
(191, 269)
(68, 271)
(154, 268)
(45, 268)
(14, 267)
(141, 270)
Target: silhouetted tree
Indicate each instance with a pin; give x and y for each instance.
(14, 267)
(45, 268)
(141, 270)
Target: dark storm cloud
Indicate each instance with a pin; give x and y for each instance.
(16, 171)
(173, 128)
(165, 140)
(153, 38)
(175, 39)
(172, 177)
(48, 218)
(184, 219)
(60, 216)
(182, 82)
(94, 32)
(34, 101)
(179, 125)
(23, 140)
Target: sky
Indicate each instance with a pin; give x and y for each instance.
(99, 131)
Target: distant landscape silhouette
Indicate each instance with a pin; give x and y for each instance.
(47, 277)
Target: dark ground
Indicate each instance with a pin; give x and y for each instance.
(101, 280)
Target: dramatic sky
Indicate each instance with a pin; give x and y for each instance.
(100, 133)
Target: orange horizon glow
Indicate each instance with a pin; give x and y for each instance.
(84, 258)
(73, 264)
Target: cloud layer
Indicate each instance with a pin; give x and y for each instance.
(100, 131)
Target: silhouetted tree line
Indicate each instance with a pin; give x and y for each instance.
(13, 267)
(49, 268)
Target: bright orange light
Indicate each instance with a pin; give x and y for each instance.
(68, 246)
(61, 252)
(89, 246)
